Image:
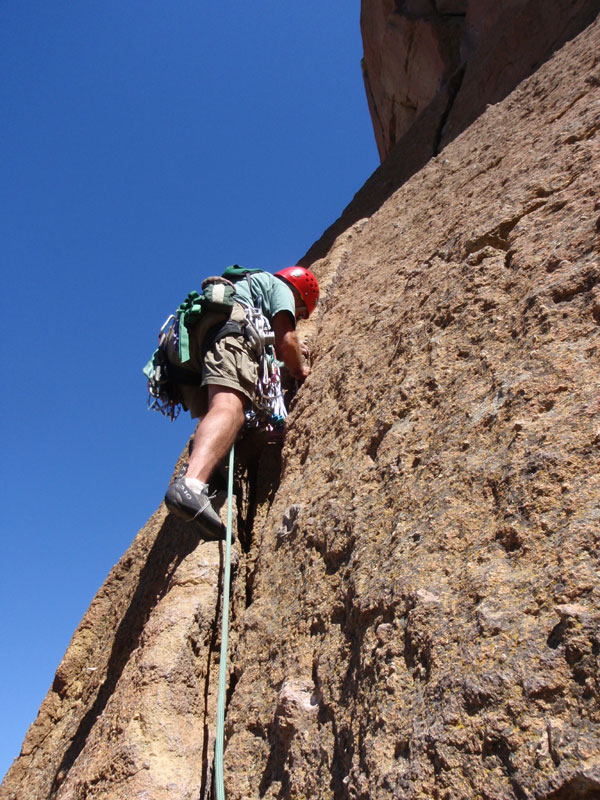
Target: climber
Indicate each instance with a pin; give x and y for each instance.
(229, 370)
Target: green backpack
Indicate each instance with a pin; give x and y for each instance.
(217, 297)
(218, 294)
(235, 272)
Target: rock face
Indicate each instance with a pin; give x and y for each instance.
(415, 607)
(458, 55)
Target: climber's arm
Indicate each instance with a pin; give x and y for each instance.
(287, 345)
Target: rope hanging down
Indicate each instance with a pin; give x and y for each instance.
(219, 783)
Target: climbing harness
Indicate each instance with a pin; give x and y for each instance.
(219, 782)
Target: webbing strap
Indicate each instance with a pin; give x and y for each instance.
(189, 311)
(188, 377)
(229, 328)
(219, 783)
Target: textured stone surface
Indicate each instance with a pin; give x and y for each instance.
(437, 598)
(415, 606)
(410, 50)
(473, 52)
(131, 712)
(133, 696)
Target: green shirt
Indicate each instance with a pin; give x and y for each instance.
(271, 294)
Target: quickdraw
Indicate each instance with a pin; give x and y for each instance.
(268, 409)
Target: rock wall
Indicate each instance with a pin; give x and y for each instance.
(429, 626)
(460, 55)
(415, 593)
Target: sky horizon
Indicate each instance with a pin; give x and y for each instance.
(146, 147)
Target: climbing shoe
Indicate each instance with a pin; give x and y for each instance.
(188, 498)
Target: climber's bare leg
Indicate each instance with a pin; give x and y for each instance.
(216, 431)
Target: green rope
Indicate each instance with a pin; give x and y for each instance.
(219, 784)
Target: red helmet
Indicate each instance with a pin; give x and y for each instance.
(304, 282)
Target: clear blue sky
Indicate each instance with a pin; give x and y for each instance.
(145, 145)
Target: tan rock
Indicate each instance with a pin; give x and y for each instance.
(442, 449)
(473, 52)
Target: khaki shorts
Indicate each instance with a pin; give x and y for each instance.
(230, 362)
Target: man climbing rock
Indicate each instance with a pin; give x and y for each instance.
(228, 365)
